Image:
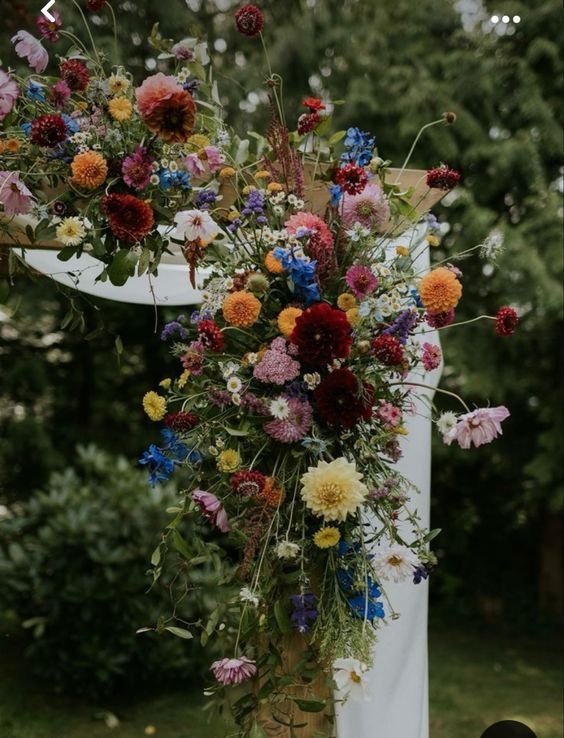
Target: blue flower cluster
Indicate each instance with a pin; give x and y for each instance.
(301, 272)
(35, 91)
(206, 199)
(162, 460)
(174, 327)
(168, 180)
(362, 601)
(304, 612)
(255, 206)
(359, 147)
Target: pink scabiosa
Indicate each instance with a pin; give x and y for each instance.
(211, 509)
(276, 365)
(430, 356)
(352, 179)
(9, 92)
(506, 321)
(295, 425)
(136, 168)
(60, 94)
(361, 281)
(370, 208)
(478, 427)
(233, 671)
(48, 29)
(442, 178)
(14, 195)
(249, 20)
(28, 47)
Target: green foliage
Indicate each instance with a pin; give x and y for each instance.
(73, 563)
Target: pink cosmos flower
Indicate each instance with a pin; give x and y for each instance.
(194, 165)
(361, 281)
(389, 414)
(277, 366)
(8, 94)
(153, 91)
(233, 671)
(214, 157)
(50, 29)
(477, 427)
(14, 195)
(211, 509)
(28, 47)
(370, 208)
(431, 356)
(295, 426)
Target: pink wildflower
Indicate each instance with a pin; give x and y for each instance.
(214, 157)
(14, 195)
(8, 94)
(477, 427)
(233, 671)
(60, 94)
(136, 169)
(295, 426)
(211, 509)
(50, 29)
(431, 356)
(361, 281)
(370, 208)
(194, 165)
(389, 414)
(277, 366)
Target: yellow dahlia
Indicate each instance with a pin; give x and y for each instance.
(228, 461)
(154, 405)
(273, 264)
(353, 316)
(120, 108)
(241, 309)
(346, 301)
(89, 170)
(287, 320)
(440, 290)
(327, 537)
(333, 490)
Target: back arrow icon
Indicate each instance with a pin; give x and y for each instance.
(46, 13)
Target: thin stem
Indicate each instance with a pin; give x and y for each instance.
(414, 144)
(433, 389)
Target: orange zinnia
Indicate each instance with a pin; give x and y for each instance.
(440, 290)
(241, 309)
(287, 320)
(89, 170)
(273, 264)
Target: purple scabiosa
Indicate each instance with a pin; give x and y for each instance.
(295, 426)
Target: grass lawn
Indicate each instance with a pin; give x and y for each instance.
(477, 678)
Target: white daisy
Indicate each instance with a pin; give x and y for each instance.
(70, 231)
(312, 380)
(349, 675)
(395, 563)
(234, 384)
(279, 408)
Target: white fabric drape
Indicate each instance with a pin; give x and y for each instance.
(398, 681)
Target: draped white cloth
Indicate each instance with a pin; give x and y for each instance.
(398, 681)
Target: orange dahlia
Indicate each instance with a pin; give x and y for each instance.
(130, 218)
(272, 264)
(89, 170)
(287, 320)
(241, 309)
(167, 108)
(440, 290)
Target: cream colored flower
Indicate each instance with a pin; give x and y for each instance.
(118, 84)
(333, 490)
(71, 231)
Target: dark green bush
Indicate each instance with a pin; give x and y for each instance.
(73, 569)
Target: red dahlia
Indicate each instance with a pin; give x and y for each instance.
(211, 335)
(342, 400)
(75, 74)
(131, 219)
(440, 320)
(248, 483)
(352, 179)
(48, 130)
(322, 333)
(443, 178)
(180, 422)
(506, 321)
(307, 122)
(249, 20)
(313, 103)
(94, 6)
(388, 350)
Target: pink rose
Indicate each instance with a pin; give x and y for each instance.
(8, 94)
(28, 47)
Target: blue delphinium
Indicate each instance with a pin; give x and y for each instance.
(161, 461)
(304, 612)
(301, 272)
(359, 147)
(336, 194)
(35, 91)
(168, 180)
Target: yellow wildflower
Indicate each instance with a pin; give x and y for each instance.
(346, 301)
(247, 189)
(327, 537)
(118, 84)
(402, 251)
(165, 383)
(228, 461)
(120, 108)
(70, 231)
(13, 145)
(233, 215)
(287, 320)
(196, 142)
(154, 405)
(227, 173)
(183, 378)
(274, 187)
(353, 316)
(263, 174)
(432, 240)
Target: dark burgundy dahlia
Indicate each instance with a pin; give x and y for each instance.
(249, 20)
(181, 422)
(343, 400)
(48, 130)
(322, 333)
(75, 74)
(131, 219)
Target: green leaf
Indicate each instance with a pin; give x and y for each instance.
(432, 534)
(239, 432)
(179, 632)
(282, 618)
(66, 253)
(156, 556)
(118, 343)
(122, 267)
(309, 705)
(336, 137)
(180, 545)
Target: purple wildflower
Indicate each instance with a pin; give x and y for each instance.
(304, 612)
(402, 325)
(170, 329)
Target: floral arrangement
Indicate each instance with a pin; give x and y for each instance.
(296, 371)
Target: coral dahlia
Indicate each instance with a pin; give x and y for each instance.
(131, 219)
(166, 108)
(322, 333)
